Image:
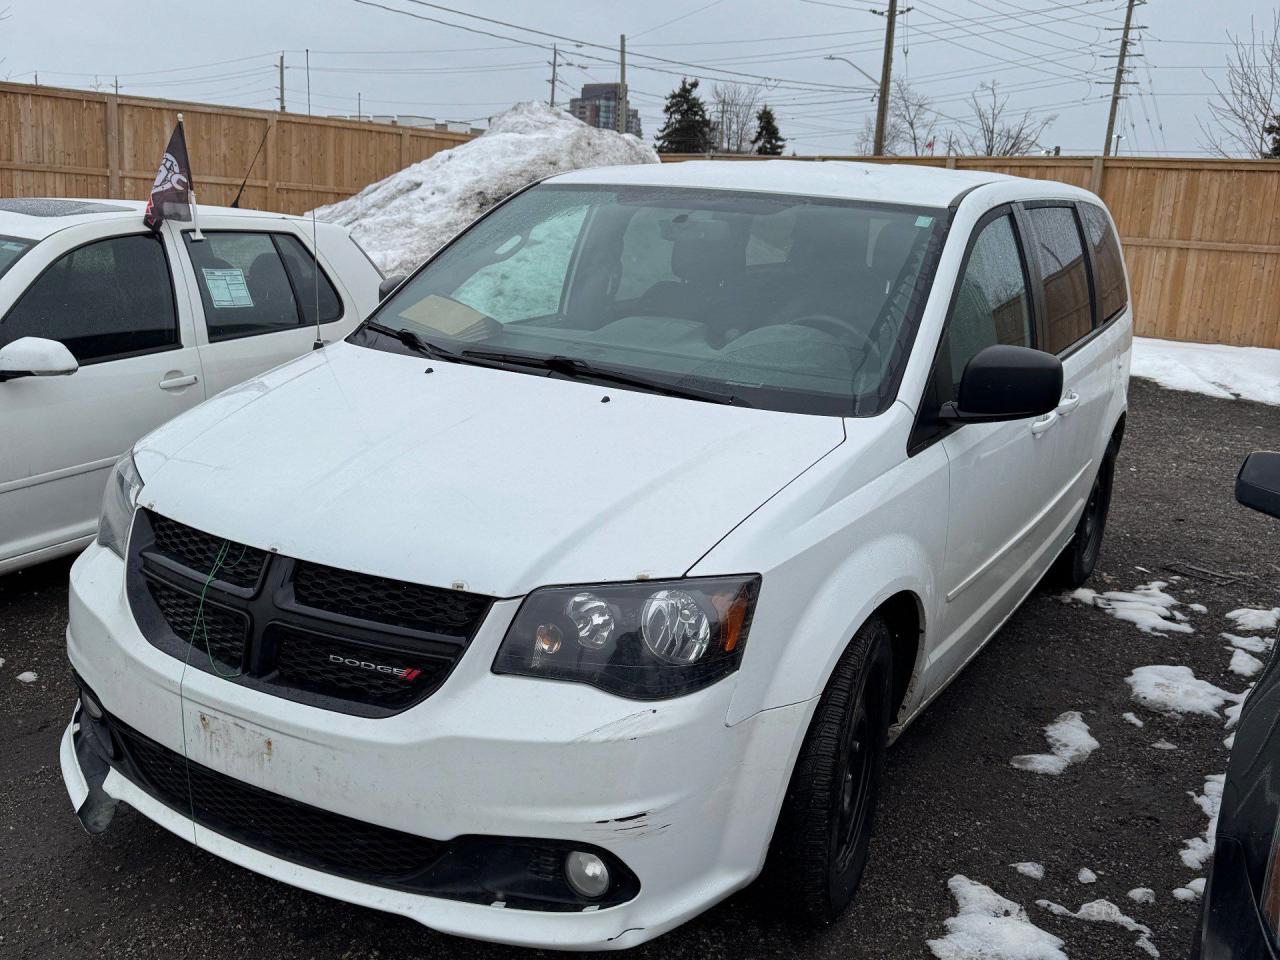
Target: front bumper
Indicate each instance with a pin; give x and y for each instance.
(684, 801)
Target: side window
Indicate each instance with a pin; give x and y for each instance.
(301, 267)
(527, 277)
(1107, 262)
(990, 306)
(106, 300)
(1068, 311)
(243, 285)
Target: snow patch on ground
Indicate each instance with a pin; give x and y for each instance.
(1254, 619)
(1197, 608)
(1191, 892)
(28, 676)
(1163, 745)
(1134, 719)
(989, 927)
(1087, 876)
(402, 220)
(1147, 606)
(1070, 741)
(1230, 741)
(1176, 689)
(1029, 869)
(1197, 851)
(1245, 664)
(1104, 911)
(1216, 370)
(1142, 895)
(1252, 644)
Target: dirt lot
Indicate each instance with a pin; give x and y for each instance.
(953, 803)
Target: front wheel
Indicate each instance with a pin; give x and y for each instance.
(1075, 564)
(820, 845)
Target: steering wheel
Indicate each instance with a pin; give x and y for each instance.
(842, 329)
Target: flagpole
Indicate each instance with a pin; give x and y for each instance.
(196, 235)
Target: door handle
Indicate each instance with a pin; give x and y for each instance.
(1044, 423)
(178, 382)
(1069, 403)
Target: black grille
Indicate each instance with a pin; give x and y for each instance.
(267, 821)
(392, 602)
(211, 630)
(331, 638)
(381, 676)
(198, 551)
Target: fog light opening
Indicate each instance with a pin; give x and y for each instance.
(587, 874)
(91, 706)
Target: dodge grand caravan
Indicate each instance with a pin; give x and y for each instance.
(592, 574)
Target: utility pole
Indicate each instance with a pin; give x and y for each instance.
(359, 112)
(555, 59)
(282, 82)
(1119, 81)
(886, 73)
(622, 83)
(117, 86)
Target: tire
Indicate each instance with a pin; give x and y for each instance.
(1075, 564)
(820, 846)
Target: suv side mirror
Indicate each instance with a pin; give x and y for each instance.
(35, 357)
(1258, 483)
(389, 284)
(1004, 382)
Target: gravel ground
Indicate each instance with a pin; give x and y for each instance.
(952, 805)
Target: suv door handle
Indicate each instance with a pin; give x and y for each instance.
(1044, 423)
(1069, 403)
(178, 382)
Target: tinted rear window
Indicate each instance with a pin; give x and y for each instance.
(1108, 265)
(1056, 246)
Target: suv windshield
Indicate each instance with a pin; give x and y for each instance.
(11, 248)
(785, 302)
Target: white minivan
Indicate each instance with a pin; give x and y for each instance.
(593, 573)
(107, 330)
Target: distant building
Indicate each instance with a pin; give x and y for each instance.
(598, 106)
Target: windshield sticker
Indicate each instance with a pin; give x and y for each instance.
(227, 288)
(12, 246)
(924, 221)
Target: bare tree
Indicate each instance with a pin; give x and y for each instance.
(997, 133)
(1248, 100)
(910, 128)
(733, 116)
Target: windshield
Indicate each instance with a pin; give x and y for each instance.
(783, 302)
(11, 249)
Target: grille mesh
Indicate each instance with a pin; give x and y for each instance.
(222, 633)
(393, 602)
(268, 821)
(303, 660)
(196, 550)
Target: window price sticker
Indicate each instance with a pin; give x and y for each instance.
(227, 288)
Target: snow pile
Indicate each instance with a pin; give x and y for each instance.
(1133, 718)
(1176, 689)
(1192, 892)
(1104, 911)
(402, 220)
(1197, 851)
(1245, 664)
(1070, 741)
(989, 927)
(1030, 869)
(27, 676)
(1142, 895)
(1229, 373)
(1251, 619)
(1252, 644)
(1147, 606)
(1087, 876)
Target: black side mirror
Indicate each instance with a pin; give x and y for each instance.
(1003, 382)
(1258, 483)
(389, 284)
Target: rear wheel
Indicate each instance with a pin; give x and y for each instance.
(820, 846)
(1075, 564)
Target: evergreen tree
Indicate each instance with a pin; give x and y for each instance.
(768, 140)
(1272, 130)
(687, 128)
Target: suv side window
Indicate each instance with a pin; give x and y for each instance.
(990, 306)
(1108, 265)
(247, 290)
(106, 300)
(1059, 252)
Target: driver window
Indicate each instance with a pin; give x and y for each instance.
(527, 277)
(990, 307)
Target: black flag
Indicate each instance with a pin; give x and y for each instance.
(172, 195)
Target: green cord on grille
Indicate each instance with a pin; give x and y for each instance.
(199, 624)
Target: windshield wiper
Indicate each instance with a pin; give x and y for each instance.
(411, 340)
(582, 370)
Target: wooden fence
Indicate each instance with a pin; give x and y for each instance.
(76, 143)
(1201, 237)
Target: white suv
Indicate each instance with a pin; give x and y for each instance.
(608, 555)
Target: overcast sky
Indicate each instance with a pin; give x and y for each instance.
(1050, 56)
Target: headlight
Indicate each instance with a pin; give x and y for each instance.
(123, 487)
(645, 640)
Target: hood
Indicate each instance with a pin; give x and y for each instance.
(501, 481)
